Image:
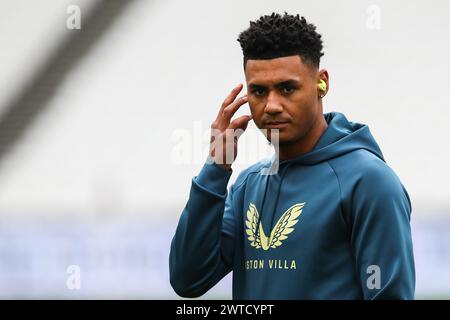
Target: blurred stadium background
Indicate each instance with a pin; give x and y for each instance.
(88, 173)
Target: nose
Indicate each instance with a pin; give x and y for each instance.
(273, 105)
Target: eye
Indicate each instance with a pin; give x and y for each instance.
(288, 90)
(258, 92)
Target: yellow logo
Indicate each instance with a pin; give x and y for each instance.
(279, 233)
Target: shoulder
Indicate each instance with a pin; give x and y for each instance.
(366, 176)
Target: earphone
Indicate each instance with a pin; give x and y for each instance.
(322, 85)
(323, 88)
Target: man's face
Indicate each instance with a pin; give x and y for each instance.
(284, 90)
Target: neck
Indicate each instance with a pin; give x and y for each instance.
(304, 144)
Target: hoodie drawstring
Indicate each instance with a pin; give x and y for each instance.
(278, 194)
(262, 206)
(276, 199)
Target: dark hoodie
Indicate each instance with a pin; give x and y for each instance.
(333, 223)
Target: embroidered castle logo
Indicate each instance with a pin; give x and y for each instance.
(280, 232)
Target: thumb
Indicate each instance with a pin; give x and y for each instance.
(240, 123)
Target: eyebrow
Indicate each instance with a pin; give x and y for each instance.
(290, 82)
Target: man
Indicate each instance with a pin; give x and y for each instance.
(332, 223)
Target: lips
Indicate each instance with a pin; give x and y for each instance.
(276, 124)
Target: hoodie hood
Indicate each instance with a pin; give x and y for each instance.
(339, 138)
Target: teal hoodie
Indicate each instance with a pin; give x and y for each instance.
(333, 223)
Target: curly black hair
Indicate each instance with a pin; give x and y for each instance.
(273, 36)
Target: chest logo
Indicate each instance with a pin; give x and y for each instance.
(280, 232)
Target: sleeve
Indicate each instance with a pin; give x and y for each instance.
(381, 236)
(202, 248)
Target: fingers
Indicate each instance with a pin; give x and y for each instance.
(240, 123)
(232, 95)
(228, 100)
(231, 109)
(237, 128)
